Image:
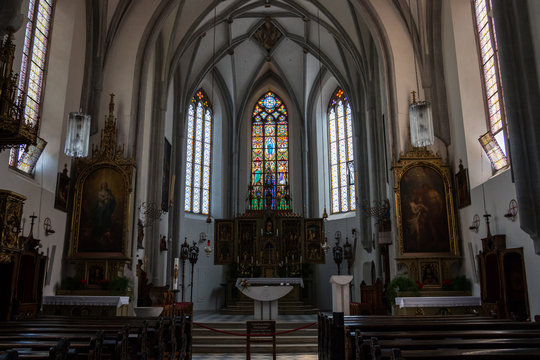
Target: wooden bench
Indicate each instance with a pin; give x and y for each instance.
(94, 338)
(374, 337)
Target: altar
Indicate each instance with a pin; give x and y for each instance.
(78, 305)
(265, 292)
(437, 305)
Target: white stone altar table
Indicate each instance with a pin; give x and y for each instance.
(444, 303)
(86, 305)
(265, 292)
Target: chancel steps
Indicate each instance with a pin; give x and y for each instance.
(298, 342)
(285, 307)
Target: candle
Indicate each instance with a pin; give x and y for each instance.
(261, 231)
(277, 232)
(300, 259)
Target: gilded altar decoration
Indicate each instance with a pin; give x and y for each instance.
(425, 217)
(102, 203)
(15, 129)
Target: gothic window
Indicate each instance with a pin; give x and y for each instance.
(25, 158)
(493, 141)
(198, 155)
(31, 78)
(269, 155)
(341, 151)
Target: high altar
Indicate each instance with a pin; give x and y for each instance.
(269, 243)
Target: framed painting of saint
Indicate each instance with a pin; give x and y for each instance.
(314, 233)
(224, 244)
(424, 206)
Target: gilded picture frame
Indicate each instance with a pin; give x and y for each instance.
(424, 202)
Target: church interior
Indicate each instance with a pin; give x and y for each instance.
(179, 154)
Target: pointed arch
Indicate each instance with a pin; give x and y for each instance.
(198, 155)
(341, 154)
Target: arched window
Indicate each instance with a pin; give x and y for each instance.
(269, 155)
(340, 140)
(198, 155)
(493, 141)
(33, 64)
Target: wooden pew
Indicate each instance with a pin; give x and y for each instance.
(122, 339)
(368, 337)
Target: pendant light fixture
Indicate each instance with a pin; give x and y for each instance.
(77, 134)
(420, 119)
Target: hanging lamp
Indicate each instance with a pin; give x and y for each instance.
(420, 119)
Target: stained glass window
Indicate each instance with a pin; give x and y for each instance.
(198, 155)
(24, 158)
(487, 42)
(33, 68)
(341, 151)
(269, 155)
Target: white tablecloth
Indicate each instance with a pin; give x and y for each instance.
(86, 300)
(438, 301)
(266, 293)
(272, 281)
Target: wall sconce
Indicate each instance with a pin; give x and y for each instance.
(475, 223)
(77, 134)
(207, 248)
(202, 237)
(48, 226)
(512, 210)
(325, 246)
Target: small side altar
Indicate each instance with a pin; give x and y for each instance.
(85, 305)
(265, 292)
(437, 303)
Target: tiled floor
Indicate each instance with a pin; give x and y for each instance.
(253, 357)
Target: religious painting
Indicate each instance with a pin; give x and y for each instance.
(247, 236)
(102, 209)
(291, 238)
(62, 191)
(430, 274)
(95, 273)
(314, 238)
(223, 246)
(102, 201)
(166, 174)
(424, 206)
(463, 191)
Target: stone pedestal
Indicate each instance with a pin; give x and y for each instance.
(266, 300)
(340, 293)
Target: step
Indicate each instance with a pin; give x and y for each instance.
(302, 341)
(256, 348)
